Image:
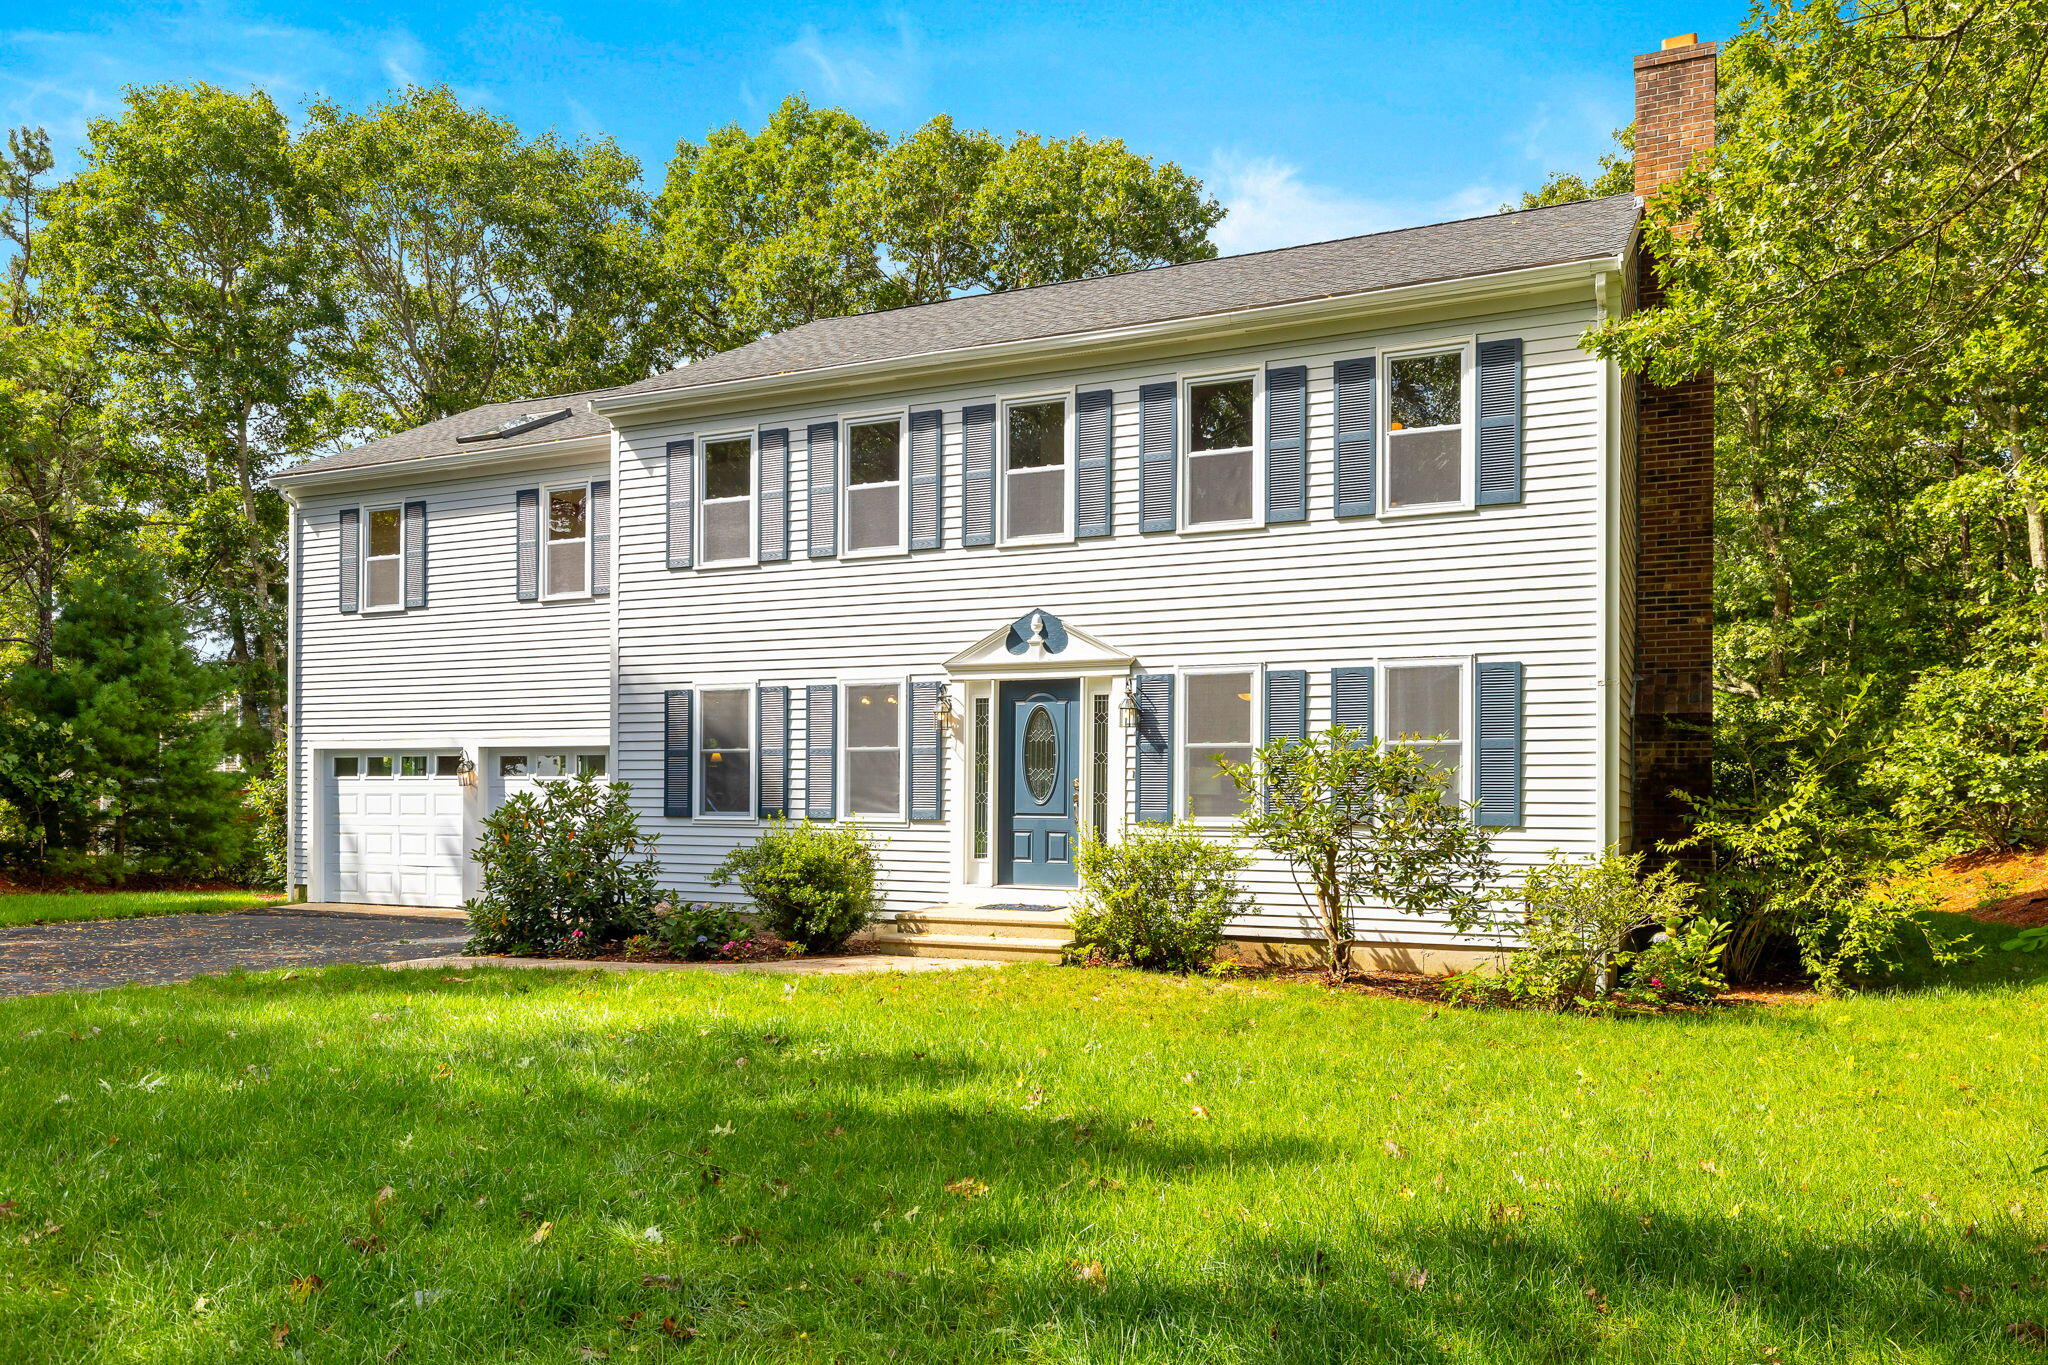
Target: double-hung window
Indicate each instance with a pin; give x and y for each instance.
(567, 531)
(1425, 712)
(1222, 464)
(725, 751)
(1035, 478)
(1219, 730)
(874, 749)
(1427, 423)
(729, 500)
(874, 486)
(383, 565)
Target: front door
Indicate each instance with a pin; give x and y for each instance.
(1040, 782)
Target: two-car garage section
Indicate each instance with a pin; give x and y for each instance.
(399, 823)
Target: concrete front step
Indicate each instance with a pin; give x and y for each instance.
(984, 921)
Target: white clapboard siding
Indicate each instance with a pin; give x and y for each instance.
(1522, 582)
(474, 662)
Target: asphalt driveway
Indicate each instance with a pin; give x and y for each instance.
(37, 959)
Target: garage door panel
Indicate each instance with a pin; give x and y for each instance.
(398, 838)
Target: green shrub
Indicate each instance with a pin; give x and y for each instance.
(698, 930)
(1971, 753)
(813, 884)
(1681, 965)
(564, 866)
(1159, 897)
(1578, 922)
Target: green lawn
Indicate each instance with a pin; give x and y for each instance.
(1034, 1164)
(55, 907)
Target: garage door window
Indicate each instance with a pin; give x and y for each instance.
(591, 765)
(448, 765)
(345, 765)
(378, 765)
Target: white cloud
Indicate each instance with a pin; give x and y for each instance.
(864, 71)
(1267, 204)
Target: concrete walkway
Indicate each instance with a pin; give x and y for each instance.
(846, 965)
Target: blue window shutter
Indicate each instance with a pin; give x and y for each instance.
(978, 474)
(349, 573)
(771, 724)
(1499, 708)
(526, 516)
(1286, 708)
(772, 450)
(600, 537)
(1158, 457)
(415, 555)
(1356, 418)
(1154, 739)
(682, 504)
(927, 765)
(1351, 699)
(821, 752)
(1500, 423)
(1287, 443)
(1094, 469)
(821, 466)
(927, 476)
(677, 754)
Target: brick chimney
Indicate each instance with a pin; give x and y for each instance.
(1674, 581)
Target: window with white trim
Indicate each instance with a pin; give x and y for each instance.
(1035, 481)
(384, 562)
(567, 548)
(1426, 426)
(1222, 482)
(725, 751)
(728, 508)
(874, 486)
(874, 749)
(1425, 712)
(1219, 728)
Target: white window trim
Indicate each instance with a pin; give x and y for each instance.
(1184, 483)
(1065, 534)
(901, 417)
(753, 499)
(1383, 705)
(1468, 351)
(844, 755)
(589, 511)
(364, 513)
(1183, 707)
(698, 765)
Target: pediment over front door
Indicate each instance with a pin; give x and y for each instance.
(1038, 643)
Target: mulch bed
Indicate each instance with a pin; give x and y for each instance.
(1429, 990)
(754, 950)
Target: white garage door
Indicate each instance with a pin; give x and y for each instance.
(398, 835)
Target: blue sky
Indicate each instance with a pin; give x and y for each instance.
(1308, 121)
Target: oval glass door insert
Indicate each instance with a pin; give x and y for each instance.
(1041, 754)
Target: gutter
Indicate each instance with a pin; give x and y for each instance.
(1072, 343)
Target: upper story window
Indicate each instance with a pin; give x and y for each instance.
(1219, 730)
(1426, 424)
(729, 501)
(1035, 478)
(1425, 711)
(874, 749)
(383, 565)
(1222, 466)
(874, 486)
(725, 750)
(567, 560)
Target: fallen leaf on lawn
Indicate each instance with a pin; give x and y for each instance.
(1393, 1149)
(650, 1235)
(368, 1246)
(722, 1130)
(47, 1228)
(967, 1187)
(657, 1282)
(1505, 1213)
(2032, 1333)
(395, 1352)
(384, 1193)
(458, 980)
(744, 1237)
(1198, 1111)
(1103, 1182)
(1416, 1278)
(592, 1353)
(674, 1331)
(422, 1297)
(201, 1304)
(1087, 1272)
(279, 1333)
(540, 1234)
(303, 1287)
(380, 1018)
(1710, 1168)
(7, 1207)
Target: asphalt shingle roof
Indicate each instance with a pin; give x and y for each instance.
(1590, 229)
